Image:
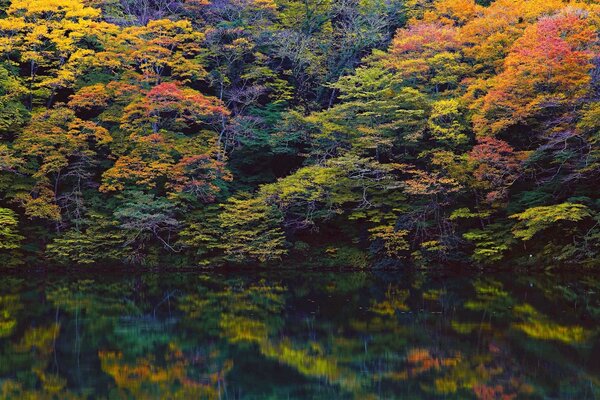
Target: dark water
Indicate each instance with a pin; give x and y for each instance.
(294, 335)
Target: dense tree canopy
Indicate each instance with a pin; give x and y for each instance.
(218, 131)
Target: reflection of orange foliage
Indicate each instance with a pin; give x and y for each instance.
(417, 355)
(485, 392)
(423, 361)
(172, 378)
(132, 375)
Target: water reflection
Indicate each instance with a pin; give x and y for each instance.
(299, 335)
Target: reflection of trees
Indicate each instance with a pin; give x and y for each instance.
(26, 352)
(177, 375)
(513, 329)
(253, 315)
(493, 300)
(395, 299)
(538, 326)
(9, 307)
(34, 355)
(374, 352)
(335, 335)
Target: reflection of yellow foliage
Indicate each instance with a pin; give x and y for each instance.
(39, 342)
(72, 297)
(9, 307)
(539, 326)
(395, 299)
(445, 386)
(40, 338)
(310, 364)
(244, 319)
(6, 327)
(53, 383)
(238, 329)
(550, 331)
(488, 293)
(433, 294)
(305, 362)
(464, 375)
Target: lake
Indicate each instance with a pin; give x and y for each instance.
(299, 335)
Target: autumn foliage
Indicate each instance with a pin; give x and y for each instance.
(364, 132)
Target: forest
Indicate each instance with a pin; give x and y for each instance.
(349, 133)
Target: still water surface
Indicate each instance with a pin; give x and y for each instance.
(299, 335)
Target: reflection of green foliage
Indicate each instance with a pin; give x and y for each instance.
(345, 283)
(10, 306)
(490, 296)
(96, 298)
(141, 335)
(247, 317)
(52, 388)
(468, 327)
(227, 310)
